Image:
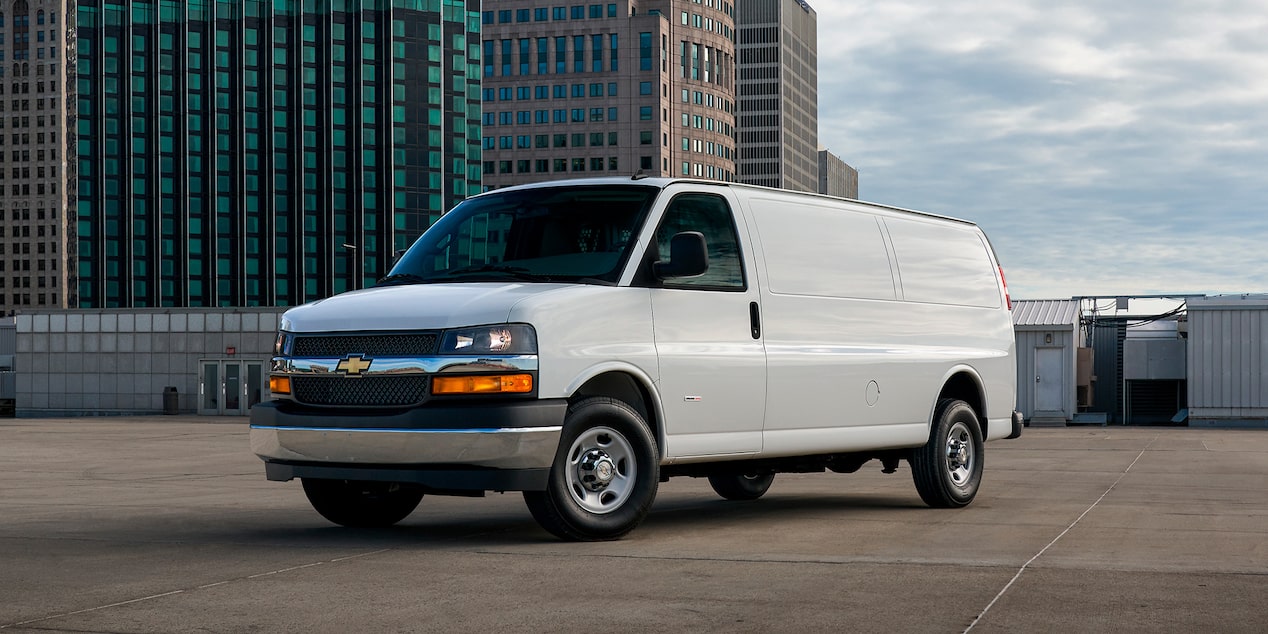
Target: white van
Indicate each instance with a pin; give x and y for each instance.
(582, 341)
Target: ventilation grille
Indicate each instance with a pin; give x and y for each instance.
(370, 391)
(404, 345)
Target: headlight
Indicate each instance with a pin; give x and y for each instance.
(497, 339)
(281, 346)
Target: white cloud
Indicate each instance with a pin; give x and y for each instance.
(1117, 146)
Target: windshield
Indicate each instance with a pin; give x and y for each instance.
(552, 234)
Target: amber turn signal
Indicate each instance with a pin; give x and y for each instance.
(280, 384)
(482, 384)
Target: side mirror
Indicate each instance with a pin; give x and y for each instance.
(688, 257)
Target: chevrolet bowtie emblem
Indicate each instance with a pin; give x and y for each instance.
(354, 365)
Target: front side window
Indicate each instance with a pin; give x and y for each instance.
(710, 215)
(546, 234)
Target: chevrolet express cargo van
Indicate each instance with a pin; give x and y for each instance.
(583, 341)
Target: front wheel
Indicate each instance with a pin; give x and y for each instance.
(739, 486)
(605, 474)
(361, 504)
(948, 469)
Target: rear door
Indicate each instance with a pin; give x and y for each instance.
(708, 331)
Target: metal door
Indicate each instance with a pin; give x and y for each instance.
(229, 387)
(1050, 387)
(209, 400)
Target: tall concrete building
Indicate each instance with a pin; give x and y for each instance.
(608, 88)
(36, 149)
(259, 153)
(836, 177)
(778, 91)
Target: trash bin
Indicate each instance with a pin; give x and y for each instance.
(171, 401)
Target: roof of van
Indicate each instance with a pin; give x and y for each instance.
(661, 182)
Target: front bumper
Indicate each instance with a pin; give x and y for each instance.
(490, 446)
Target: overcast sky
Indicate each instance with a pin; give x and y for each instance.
(1107, 147)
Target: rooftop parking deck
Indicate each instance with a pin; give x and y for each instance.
(167, 524)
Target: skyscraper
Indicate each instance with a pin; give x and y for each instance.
(36, 115)
(836, 178)
(608, 88)
(778, 94)
(250, 152)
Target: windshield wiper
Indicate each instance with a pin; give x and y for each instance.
(514, 272)
(398, 279)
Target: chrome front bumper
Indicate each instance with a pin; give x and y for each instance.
(498, 448)
(492, 445)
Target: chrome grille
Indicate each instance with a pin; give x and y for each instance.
(403, 345)
(370, 391)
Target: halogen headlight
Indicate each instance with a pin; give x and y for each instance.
(498, 339)
(280, 345)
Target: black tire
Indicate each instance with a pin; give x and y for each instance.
(739, 486)
(359, 504)
(948, 469)
(605, 474)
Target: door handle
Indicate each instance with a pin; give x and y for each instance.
(1036, 379)
(755, 320)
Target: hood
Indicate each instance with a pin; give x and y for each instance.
(414, 307)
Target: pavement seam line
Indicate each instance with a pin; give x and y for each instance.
(202, 587)
(1057, 538)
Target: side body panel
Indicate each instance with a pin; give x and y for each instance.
(851, 365)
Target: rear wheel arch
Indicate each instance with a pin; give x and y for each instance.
(963, 384)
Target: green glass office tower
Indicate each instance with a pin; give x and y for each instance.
(266, 153)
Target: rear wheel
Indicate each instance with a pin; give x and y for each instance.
(948, 469)
(362, 504)
(605, 474)
(739, 486)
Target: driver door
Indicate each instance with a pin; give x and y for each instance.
(708, 334)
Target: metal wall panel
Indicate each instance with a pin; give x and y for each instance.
(1107, 342)
(8, 338)
(1228, 361)
(1027, 342)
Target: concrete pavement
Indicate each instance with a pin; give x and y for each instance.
(167, 524)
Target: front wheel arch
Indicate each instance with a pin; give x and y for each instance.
(604, 476)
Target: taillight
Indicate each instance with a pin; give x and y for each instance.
(1008, 299)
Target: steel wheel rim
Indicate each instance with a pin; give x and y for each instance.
(960, 455)
(601, 470)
